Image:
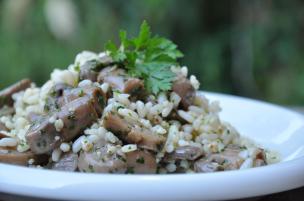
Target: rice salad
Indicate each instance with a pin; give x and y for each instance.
(110, 113)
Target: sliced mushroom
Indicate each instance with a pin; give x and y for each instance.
(21, 158)
(229, 159)
(55, 99)
(117, 125)
(76, 116)
(96, 95)
(185, 90)
(114, 76)
(206, 166)
(101, 161)
(141, 162)
(42, 136)
(145, 139)
(136, 88)
(118, 79)
(68, 162)
(6, 94)
(187, 152)
(89, 70)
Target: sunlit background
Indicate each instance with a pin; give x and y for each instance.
(247, 48)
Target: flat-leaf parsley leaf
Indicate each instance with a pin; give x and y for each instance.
(147, 57)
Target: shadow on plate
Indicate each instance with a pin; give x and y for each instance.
(293, 195)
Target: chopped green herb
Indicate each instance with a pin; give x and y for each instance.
(77, 68)
(120, 107)
(71, 116)
(243, 147)
(81, 93)
(101, 101)
(116, 91)
(91, 168)
(121, 158)
(57, 107)
(53, 93)
(147, 57)
(130, 170)
(47, 107)
(140, 160)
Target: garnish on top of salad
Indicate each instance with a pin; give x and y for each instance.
(129, 109)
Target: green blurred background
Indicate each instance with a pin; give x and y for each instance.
(242, 47)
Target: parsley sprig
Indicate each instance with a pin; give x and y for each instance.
(147, 57)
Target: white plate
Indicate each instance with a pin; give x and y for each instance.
(271, 126)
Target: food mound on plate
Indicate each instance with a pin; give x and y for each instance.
(129, 109)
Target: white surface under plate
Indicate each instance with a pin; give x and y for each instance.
(271, 126)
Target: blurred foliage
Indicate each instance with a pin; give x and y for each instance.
(248, 48)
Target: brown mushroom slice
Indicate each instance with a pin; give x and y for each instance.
(227, 162)
(185, 90)
(114, 76)
(6, 94)
(55, 100)
(21, 158)
(118, 79)
(141, 162)
(68, 162)
(117, 125)
(136, 88)
(206, 166)
(99, 160)
(187, 152)
(145, 139)
(98, 98)
(89, 70)
(41, 136)
(76, 116)
(229, 159)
